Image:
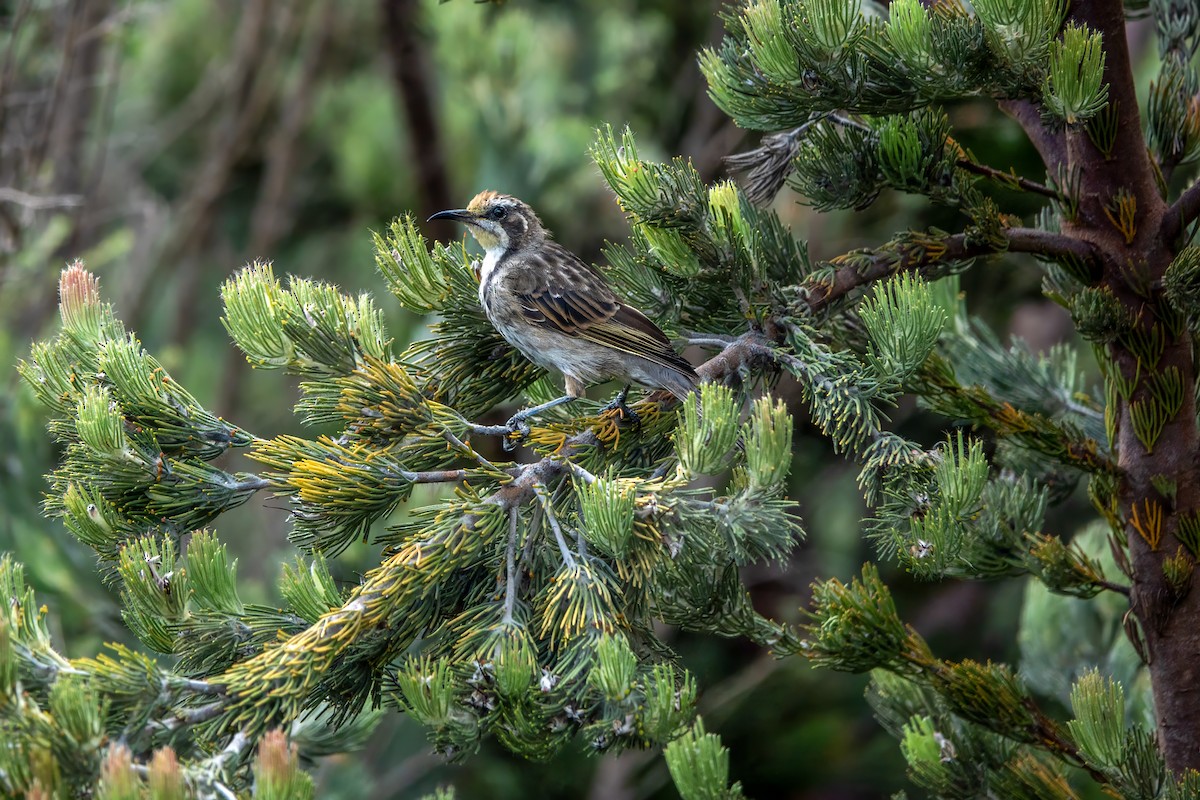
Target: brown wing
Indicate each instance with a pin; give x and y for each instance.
(572, 298)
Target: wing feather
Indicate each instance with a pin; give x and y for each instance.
(569, 296)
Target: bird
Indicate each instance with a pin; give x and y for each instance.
(560, 313)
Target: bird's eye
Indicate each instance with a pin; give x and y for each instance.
(499, 212)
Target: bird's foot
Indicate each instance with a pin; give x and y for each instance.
(517, 431)
(618, 404)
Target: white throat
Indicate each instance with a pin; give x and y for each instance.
(491, 258)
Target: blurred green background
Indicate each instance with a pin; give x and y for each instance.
(169, 143)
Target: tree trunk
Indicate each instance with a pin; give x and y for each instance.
(411, 73)
(1137, 249)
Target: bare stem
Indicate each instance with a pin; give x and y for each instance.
(535, 530)
(1184, 212)
(707, 341)
(1113, 587)
(9, 194)
(251, 483)
(510, 568)
(199, 687)
(544, 497)
(580, 472)
(433, 476)
(454, 440)
(1008, 179)
(911, 258)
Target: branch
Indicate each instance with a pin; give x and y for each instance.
(273, 212)
(1036, 430)
(409, 54)
(1049, 243)
(199, 687)
(1113, 587)
(543, 497)
(1009, 179)
(709, 340)
(510, 568)
(916, 256)
(1051, 145)
(743, 352)
(465, 448)
(329, 638)
(251, 483)
(186, 718)
(35, 202)
(1184, 212)
(433, 476)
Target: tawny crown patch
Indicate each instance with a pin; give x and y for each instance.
(479, 201)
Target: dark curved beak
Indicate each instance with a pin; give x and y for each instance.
(456, 214)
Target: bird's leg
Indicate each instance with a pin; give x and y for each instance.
(618, 404)
(517, 424)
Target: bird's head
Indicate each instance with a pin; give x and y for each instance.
(499, 222)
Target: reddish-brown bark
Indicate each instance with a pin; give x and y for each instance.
(1133, 263)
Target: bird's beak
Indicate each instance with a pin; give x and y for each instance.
(456, 214)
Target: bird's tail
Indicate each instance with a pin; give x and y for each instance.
(680, 384)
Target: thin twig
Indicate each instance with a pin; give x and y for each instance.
(581, 472)
(1184, 212)
(581, 548)
(433, 476)
(188, 717)
(1050, 144)
(38, 202)
(236, 745)
(1008, 179)
(16, 22)
(510, 565)
(416, 86)
(911, 258)
(273, 212)
(543, 496)
(531, 537)
(61, 79)
(488, 430)
(198, 687)
(707, 341)
(724, 339)
(1113, 587)
(251, 483)
(851, 122)
(449, 436)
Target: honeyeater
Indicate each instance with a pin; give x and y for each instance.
(559, 312)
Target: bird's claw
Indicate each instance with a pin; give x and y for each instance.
(518, 431)
(619, 405)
